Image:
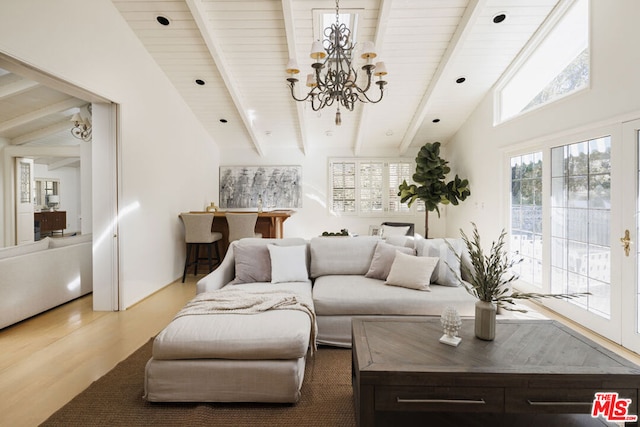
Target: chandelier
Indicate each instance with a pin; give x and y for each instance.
(334, 79)
(81, 126)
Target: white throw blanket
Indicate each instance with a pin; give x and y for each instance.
(241, 301)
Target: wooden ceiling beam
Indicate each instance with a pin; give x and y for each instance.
(215, 50)
(41, 113)
(471, 14)
(16, 88)
(42, 133)
(67, 161)
(384, 12)
(287, 12)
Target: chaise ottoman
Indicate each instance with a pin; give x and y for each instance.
(233, 357)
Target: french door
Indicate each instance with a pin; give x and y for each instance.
(593, 217)
(631, 223)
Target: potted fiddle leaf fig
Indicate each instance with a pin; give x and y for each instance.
(490, 277)
(432, 187)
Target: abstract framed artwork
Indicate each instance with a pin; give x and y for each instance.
(266, 187)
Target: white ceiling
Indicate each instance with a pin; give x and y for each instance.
(240, 49)
(33, 114)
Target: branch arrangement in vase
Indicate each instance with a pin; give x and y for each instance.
(490, 276)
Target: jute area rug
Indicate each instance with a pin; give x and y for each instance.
(327, 400)
(116, 400)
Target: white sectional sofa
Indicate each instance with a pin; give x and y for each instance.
(347, 284)
(38, 276)
(236, 357)
(240, 357)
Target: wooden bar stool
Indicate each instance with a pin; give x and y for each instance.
(197, 233)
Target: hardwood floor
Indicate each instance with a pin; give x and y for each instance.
(46, 360)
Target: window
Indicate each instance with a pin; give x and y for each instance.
(45, 187)
(324, 18)
(343, 187)
(555, 66)
(368, 186)
(580, 222)
(526, 216)
(371, 187)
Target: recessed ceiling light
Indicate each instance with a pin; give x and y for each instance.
(436, 120)
(223, 120)
(460, 80)
(499, 17)
(200, 82)
(163, 20)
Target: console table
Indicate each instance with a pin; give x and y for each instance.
(532, 367)
(51, 221)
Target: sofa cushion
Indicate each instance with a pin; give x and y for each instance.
(383, 258)
(358, 295)
(411, 272)
(288, 263)
(252, 263)
(275, 334)
(393, 230)
(406, 241)
(24, 249)
(70, 240)
(341, 255)
(442, 275)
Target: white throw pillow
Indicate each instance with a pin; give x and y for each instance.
(411, 271)
(442, 275)
(288, 263)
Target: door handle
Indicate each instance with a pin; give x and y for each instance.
(626, 242)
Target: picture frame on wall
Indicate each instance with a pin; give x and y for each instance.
(260, 187)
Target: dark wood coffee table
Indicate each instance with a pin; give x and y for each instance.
(532, 366)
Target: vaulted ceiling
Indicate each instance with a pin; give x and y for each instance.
(239, 50)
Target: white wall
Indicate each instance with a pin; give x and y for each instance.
(477, 151)
(3, 143)
(168, 162)
(315, 217)
(86, 224)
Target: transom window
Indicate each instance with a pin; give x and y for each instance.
(554, 64)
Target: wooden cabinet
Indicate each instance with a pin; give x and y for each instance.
(51, 221)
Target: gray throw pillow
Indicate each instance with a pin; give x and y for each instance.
(383, 259)
(442, 275)
(253, 264)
